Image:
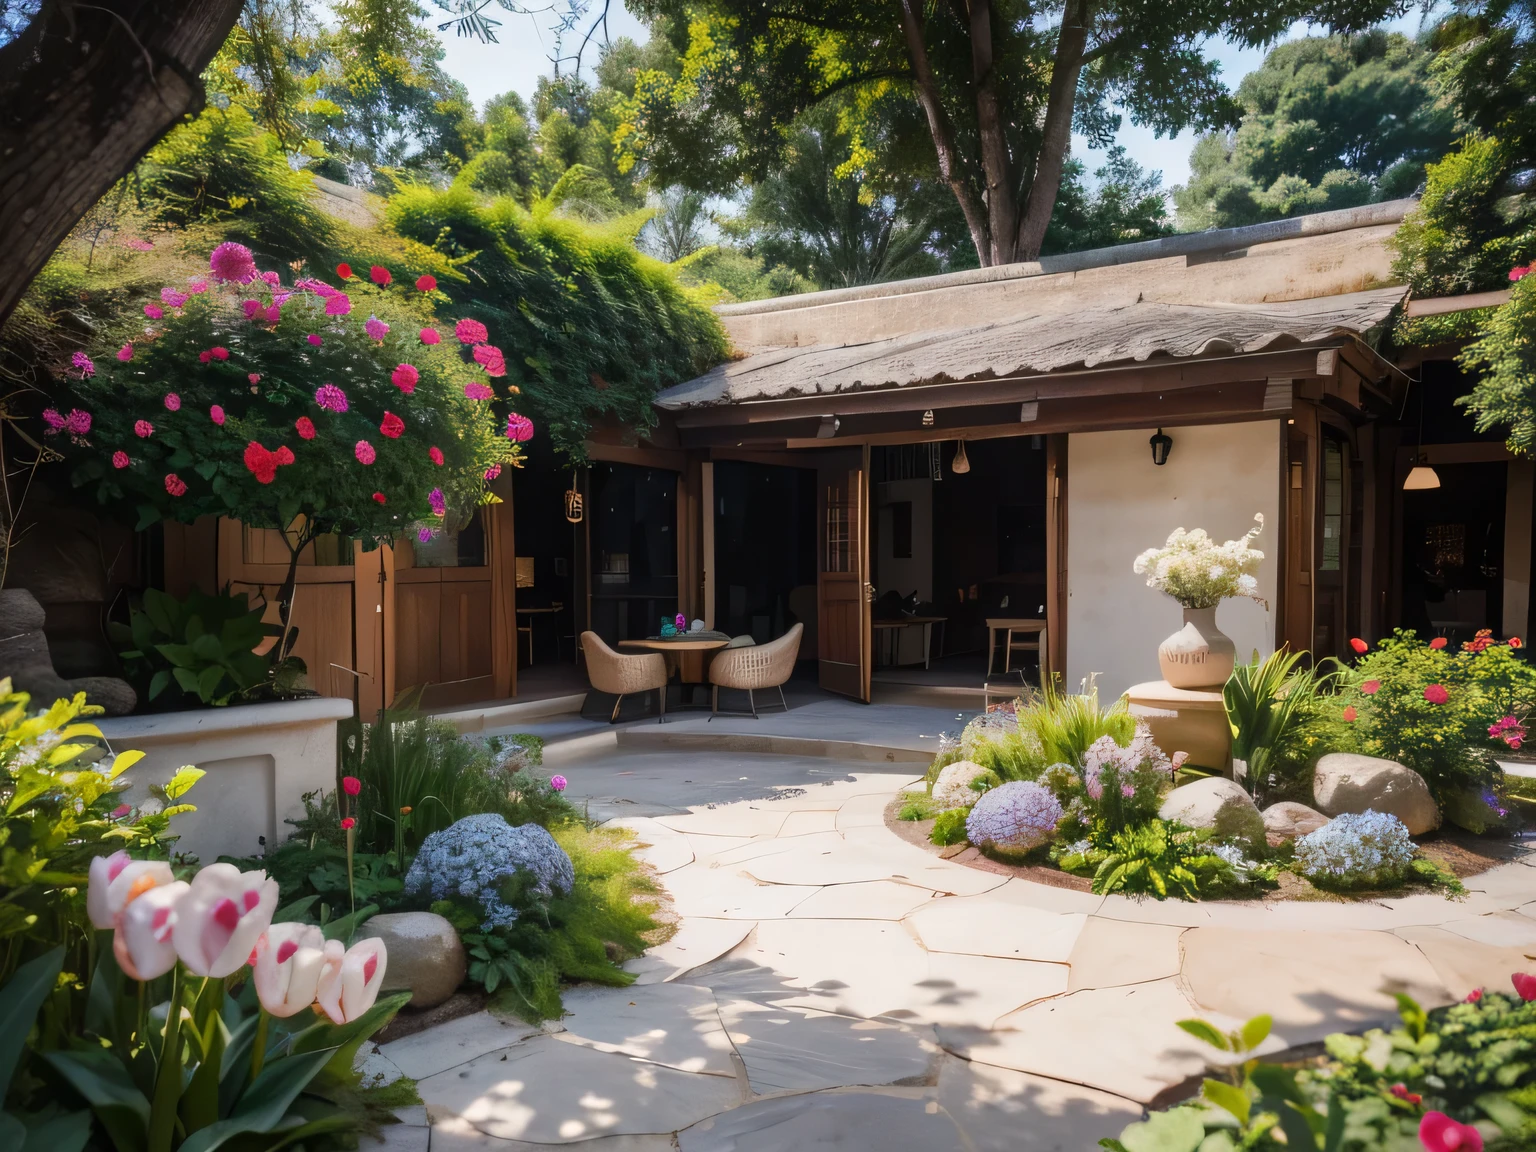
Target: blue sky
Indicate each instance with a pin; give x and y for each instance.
(525, 50)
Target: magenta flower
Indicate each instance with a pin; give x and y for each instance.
(125, 353)
(471, 332)
(519, 428)
(216, 414)
(558, 783)
(172, 297)
(272, 278)
(254, 378)
(1436, 694)
(143, 429)
(375, 328)
(338, 305)
(478, 391)
(83, 364)
(493, 471)
(197, 287)
(489, 357)
(138, 245)
(172, 402)
(273, 314)
(430, 336)
(364, 452)
(120, 460)
(435, 454)
(318, 287)
(423, 535)
(404, 377)
(314, 339)
(77, 423)
(331, 398)
(232, 263)
(252, 308)
(175, 485)
(54, 420)
(154, 311)
(1439, 1133)
(435, 500)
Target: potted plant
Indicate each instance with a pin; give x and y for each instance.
(1200, 574)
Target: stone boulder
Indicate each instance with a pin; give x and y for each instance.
(1288, 820)
(1218, 804)
(24, 657)
(1348, 782)
(953, 787)
(425, 956)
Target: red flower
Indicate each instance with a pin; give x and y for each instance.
(347, 823)
(1519, 272)
(1437, 643)
(204, 356)
(1439, 1133)
(1473, 996)
(344, 271)
(1516, 642)
(404, 377)
(264, 464)
(1371, 687)
(427, 284)
(351, 785)
(379, 275)
(120, 459)
(379, 498)
(1525, 985)
(305, 427)
(284, 455)
(216, 414)
(435, 454)
(1350, 714)
(1436, 694)
(1402, 1093)
(175, 485)
(219, 353)
(1360, 646)
(391, 426)
(470, 332)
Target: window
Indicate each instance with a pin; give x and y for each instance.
(1333, 505)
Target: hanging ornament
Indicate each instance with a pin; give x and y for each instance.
(573, 506)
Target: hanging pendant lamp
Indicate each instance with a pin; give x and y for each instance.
(1421, 476)
(960, 465)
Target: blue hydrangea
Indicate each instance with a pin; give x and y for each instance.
(475, 857)
(1016, 816)
(1356, 850)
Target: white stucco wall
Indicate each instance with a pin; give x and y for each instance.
(1119, 503)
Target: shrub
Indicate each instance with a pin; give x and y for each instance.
(1066, 725)
(950, 827)
(478, 856)
(1122, 785)
(1014, 818)
(1356, 850)
(1278, 709)
(1157, 858)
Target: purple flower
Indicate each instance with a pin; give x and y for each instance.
(438, 504)
(424, 535)
(318, 287)
(172, 297)
(197, 287)
(77, 423)
(558, 783)
(331, 398)
(83, 364)
(54, 420)
(233, 263)
(375, 328)
(1016, 816)
(272, 278)
(493, 471)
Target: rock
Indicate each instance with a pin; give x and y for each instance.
(1288, 820)
(1215, 803)
(25, 659)
(426, 956)
(953, 787)
(1348, 782)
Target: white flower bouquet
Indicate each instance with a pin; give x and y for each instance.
(1198, 572)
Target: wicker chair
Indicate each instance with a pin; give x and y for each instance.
(621, 675)
(755, 666)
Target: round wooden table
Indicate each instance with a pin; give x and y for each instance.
(688, 658)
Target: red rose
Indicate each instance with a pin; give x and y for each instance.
(344, 271)
(1360, 646)
(391, 426)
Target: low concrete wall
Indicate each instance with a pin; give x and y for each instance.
(1119, 504)
(260, 759)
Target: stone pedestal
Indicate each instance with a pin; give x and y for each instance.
(1192, 720)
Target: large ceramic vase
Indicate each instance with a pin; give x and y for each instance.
(1198, 655)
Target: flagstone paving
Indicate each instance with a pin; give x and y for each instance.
(831, 985)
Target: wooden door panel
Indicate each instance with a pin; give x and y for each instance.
(465, 652)
(323, 615)
(418, 620)
(844, 631)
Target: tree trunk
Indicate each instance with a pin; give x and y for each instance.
(1002, 207)
(85, 91)
(1071, 42)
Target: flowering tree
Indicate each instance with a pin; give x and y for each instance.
(306, 408)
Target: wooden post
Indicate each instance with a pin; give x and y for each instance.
(707, 539)
(501, 555)
(1517, 547)
(1056, 584)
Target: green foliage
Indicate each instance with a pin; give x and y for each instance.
(1503, 366)
(591, 328)
(725, 274)
(1126, 204)
(1066, 724)
(1446, 743)
(268, 380)
(581, 936)
(1277, 708)
(917, 806)
(202, 648)
(1157, 858)
(1328, 122)
(949, 827)
(63, 808)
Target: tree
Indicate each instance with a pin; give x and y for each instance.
(677, 228)
(999, 84)
(1328, 122)
(85, 91)
(1125, 205)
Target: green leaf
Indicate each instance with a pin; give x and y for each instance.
(343, 927)
(181, 783)
(1177, 1130)
(206, 647)
(343, 1040)
(1224, 1095)
(1207, 1033)
(208, 683)
(66, 1133)
(187, 679)
(264, 1104)
(1256, 1031)
(148, 515)
(294, 911)
(98, 1075)
(20, 1000)
(13, 1133)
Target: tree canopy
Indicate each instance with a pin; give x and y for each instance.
(1328, 122)
(980, 96)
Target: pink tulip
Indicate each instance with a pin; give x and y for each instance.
(288, 963)
(350, 979)
(1439, 1133)
(220, 920)
(143, 941)
(116, 880)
